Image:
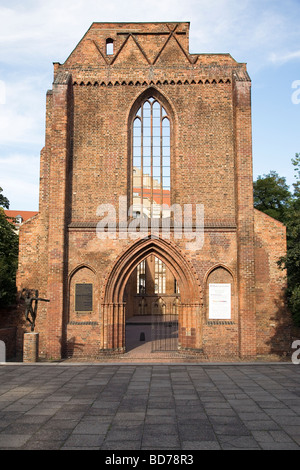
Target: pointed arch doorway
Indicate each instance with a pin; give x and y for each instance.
(114, 308)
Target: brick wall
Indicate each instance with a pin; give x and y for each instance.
(273, 319)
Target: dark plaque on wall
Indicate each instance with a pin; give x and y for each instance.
(84, 297)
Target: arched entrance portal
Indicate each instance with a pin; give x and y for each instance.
(113, 305)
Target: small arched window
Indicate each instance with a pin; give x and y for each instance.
(151, 146)
(109, 46)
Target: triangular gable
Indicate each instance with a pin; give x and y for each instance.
(130, 52)
(86, 53)
(172, 52)
(151, 44)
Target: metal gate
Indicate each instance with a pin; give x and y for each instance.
(164, 332)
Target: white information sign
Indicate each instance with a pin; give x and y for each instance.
(220, 301)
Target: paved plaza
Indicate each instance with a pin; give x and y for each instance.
(163, 407)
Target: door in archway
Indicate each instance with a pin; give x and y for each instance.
(164, 332)
(153, 301)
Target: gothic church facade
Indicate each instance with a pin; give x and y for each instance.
(139, 131)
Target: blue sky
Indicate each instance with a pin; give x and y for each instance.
(35, 33)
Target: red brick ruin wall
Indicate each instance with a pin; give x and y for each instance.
(86, 162)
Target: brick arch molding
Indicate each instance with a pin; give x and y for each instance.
(216, 266)
(156, 94)
(81, 266)
(180, 267)
(113, 307)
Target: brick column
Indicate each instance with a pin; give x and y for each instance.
(31, 347)
(245, 214)
(58, 203)
(113, 328)
(190, 326)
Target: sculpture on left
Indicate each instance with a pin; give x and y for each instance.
(31, 305)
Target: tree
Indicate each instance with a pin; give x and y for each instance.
(291, 262)
(4, 202)
(296, 163)
(272, 196)
(9, 246)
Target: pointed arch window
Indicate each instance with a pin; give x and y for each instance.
(151, 144)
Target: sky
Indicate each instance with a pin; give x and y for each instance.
(35, 33)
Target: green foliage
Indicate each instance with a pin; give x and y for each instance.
(296, 163)
(4, 202)
(272, 196)
(9, 247)
(292, 260)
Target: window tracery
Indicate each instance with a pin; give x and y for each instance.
(151, 144)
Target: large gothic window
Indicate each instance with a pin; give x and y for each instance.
(151, 160)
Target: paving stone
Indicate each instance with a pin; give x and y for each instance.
(262, 425)
(292, 430)
(84, 440)
(52, 434)
(121, 434)
(40, 411)
(243, 442)
(225, 420)
(200, 418)
(161, 412)
(15, 441)
(33, 419)
(160, 442)
(196, 433)
(58, 424)
(129, 416)
(231, 430)
(22, 428)
(279, 446)
(204, 445)
(124, 445)
(158, 419)
(272, 436)
(91, 428)
(280, 436)
(34, 444)
(229, 412)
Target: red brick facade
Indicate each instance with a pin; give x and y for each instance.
(87, 161)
